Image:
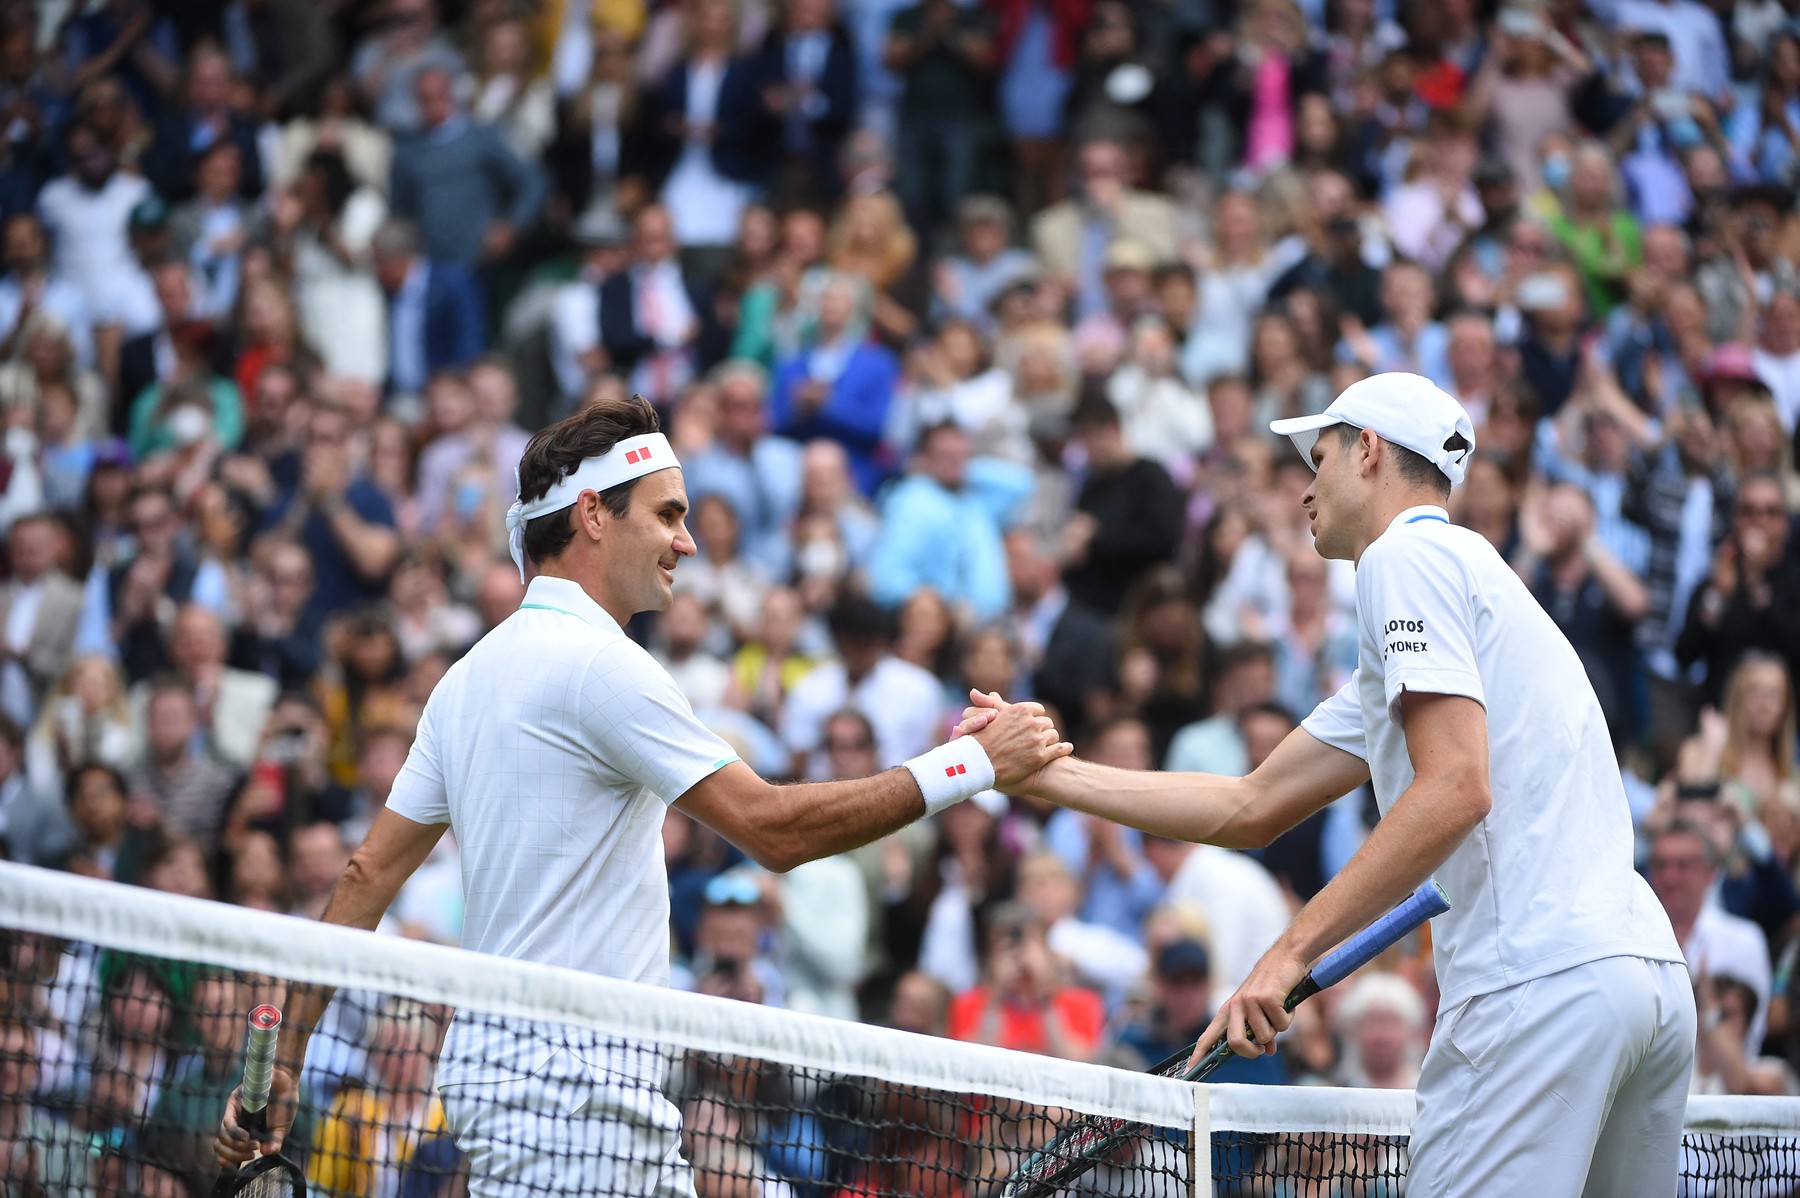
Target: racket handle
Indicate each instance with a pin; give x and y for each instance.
(259, 1068)
(1428, 900)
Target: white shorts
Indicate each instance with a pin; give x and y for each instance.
(567, 1131)
(1568, 1086)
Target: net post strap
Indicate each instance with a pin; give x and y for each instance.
(158, 924)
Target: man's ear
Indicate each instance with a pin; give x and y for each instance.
(591, 516)
(1368, 452)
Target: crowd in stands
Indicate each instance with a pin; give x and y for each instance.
(967, 320)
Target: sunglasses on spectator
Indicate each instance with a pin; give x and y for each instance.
(733, 890)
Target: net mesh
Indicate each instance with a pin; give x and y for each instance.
(122, 1030)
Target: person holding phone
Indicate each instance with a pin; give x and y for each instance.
(1024, 1001)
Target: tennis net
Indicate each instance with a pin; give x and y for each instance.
(122, 1021)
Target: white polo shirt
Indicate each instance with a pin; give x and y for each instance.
(1545, 882)
(553, 748)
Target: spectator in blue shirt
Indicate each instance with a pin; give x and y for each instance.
(936, 532)
(840, 384)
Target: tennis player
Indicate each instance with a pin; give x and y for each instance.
(552, 749)
(1559, 1064)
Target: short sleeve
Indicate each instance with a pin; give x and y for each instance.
(643, 726)
(1415, 603)
(1338, 720)
(419, 793)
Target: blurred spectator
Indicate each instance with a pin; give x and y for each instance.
(705, 127)
(1239, 899)
(1100, 957)
(939, 533)
(1746, 600)
(468, 193)
(30, 291)
(768, 665)
(808, 94)
(324, 228)
(42, 607)
(945, 56)
(1072, 238)
(85, 722)
(1024, 1001)
(47, 1153)
(1127, 516)
(204, 119)
(902, 701)
(387, 63)
(143, 591)
(839, 384)
(1181, 998)
(85, 212)
(1593, 597)
(280, 637)
(729, 958)
(967, 282)
(757, 472)
(110, 843)
(346, 525)
(232, 704)
(1722, 1063)
(702, 677)
(1683, 869)
(434, 312)
(188, 785)
(1384, 1025)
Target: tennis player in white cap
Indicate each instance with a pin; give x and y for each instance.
(553, 749)
(1565, 1034)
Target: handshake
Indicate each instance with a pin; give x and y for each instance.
(1020, 741)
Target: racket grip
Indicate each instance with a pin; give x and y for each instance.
(1428, 900)
(259, 1064)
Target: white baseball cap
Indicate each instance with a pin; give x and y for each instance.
(1408, 409)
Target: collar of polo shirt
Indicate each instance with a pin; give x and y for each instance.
(631, 458)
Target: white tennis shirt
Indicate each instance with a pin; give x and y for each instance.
(552, 749)
(1545, 882)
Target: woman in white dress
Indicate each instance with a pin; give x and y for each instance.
(324, 225)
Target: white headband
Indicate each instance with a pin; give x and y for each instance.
(631, 458)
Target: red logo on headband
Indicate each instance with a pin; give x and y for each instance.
(634, 456)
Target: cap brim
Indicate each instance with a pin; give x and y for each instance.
(1303, 431)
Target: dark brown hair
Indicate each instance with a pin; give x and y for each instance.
(1415, 468)
(559, 449)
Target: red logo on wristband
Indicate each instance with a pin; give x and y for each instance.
(950, 771)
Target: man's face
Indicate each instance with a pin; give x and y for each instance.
(945, 457)
(1335, 501)
(97, 806)
(644, 545)
(1655, 63)
(1761, 522)
(24, 248)
(432, 91)
(33, 549)
(1185, 998)
(740, 409)
(317, 858)
(1102, 171)
(851, 747)
(171, 723)
(174, 294)
(655, 236)
(218, 1014)
(1681, 873)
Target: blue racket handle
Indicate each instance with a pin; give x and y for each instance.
(1428, 900)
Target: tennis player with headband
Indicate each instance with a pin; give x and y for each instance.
(1565, 1034)
(552, 748)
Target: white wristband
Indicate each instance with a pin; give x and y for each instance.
(956, 770)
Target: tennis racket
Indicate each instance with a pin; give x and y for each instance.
(1092, 1138)
(266, 1176)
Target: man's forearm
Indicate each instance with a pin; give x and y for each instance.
(356, 902)
(1202, 808)
(1415, 837)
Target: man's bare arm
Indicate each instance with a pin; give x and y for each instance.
(1446, 737)
(782, 826)
(394, 848)
(1302, 775)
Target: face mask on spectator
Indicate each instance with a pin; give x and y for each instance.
(188, 425)
(1556, 171)
(820, 559)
